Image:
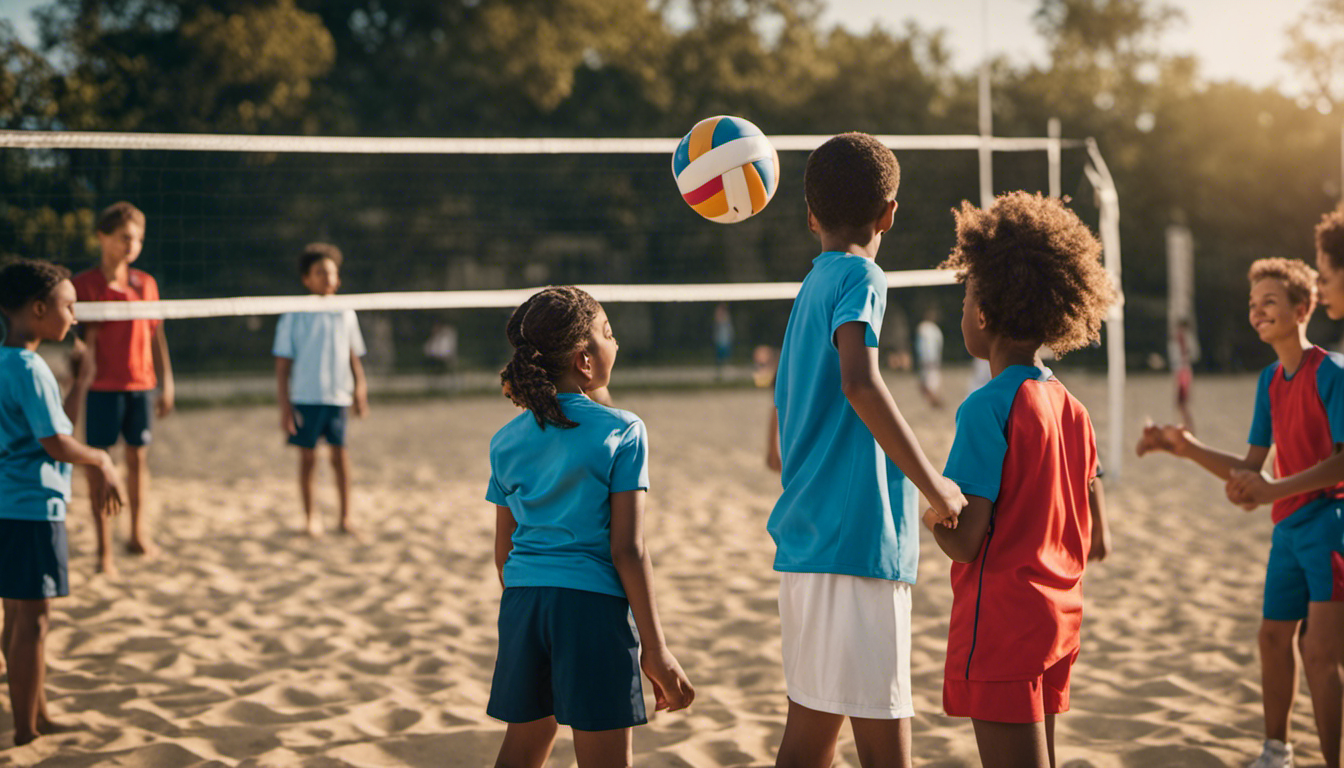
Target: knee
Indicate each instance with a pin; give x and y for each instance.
(31, 623)
(1277, 639)
(1320, 653)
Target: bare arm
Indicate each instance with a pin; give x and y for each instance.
(283, 366)
(772, 459)
(868, 395)
(963, 543)
(84, 374)
(505, 525)
(108, 494)
(163, 369)
(672, 691)
(1101, 527)
(1252, 487)
(361, 386)
(1179, 442)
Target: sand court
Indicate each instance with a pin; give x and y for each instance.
(247, 644)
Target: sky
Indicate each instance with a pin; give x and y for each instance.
(1234, 39)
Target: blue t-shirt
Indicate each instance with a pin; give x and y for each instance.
(33, 486)
(846, 508)
(320, 344)
(558, 484)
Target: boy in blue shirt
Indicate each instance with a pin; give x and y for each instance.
(37, 300)
(319, 376)
(846, 525)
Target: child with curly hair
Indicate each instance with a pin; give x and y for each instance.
(568, 480)
(1025, 457)
(1299, 410)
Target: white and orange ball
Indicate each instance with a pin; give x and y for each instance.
(726, 169)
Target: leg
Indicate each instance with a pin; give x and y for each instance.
(1050, 738)
(527, 745)
(27, 665)
(603, 749)
(1321, 656)
(102, 529)
(882, 742)
(340, 464)
(137, 488)
(1278, 675)
(307, 465)
(809, 738)
(1012, 745)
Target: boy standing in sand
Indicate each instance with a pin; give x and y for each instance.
(318, 377)
(37, 301)
(123, 362)
(1299, 409)
(1025, 456)
(846, 525)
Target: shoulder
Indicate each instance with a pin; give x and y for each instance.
(21, 365)
(613, 419)
(140, 276)
(87, 281)
(1332, 363)
(1267, 375)
(512, 432)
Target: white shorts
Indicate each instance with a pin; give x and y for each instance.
(847, 644)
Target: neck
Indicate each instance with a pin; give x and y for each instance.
(1291, 350)
(1004, 353)
(20, 336)
(115, 271)
(848, 243)
(569, 385)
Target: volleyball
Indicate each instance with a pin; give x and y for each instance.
(726, 169)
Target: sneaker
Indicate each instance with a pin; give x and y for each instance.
(1275, 754)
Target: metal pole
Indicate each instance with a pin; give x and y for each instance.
(986, 115)
(1052, 154)
(1109, 201)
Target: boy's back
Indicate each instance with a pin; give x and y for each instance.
(845, 507)
(1026, 444)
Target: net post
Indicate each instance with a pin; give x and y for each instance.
(1109, 202)
(1052, 153)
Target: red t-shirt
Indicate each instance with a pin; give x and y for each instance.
(1026, 444)
(124, 352)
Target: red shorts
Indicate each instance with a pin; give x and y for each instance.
(1011, 701)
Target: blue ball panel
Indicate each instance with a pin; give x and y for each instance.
(730, 128)
(767, 170)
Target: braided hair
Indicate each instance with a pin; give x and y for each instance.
(546, 331)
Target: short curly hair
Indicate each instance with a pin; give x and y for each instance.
(315, 252)
(1036, 268)
(849, 179)
(1330, 237)
(23, 281)
(116, 215)
(1297, 277)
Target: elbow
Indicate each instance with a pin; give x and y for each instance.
(855, 387)
(626, 555)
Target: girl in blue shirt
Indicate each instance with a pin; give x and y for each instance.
(568, 480)
(36, 450)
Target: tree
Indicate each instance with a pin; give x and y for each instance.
(1316, 50)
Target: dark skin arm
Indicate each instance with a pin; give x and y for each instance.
(283, 366)
(505, 525)
(108, 493)
(163, 368)
(1101, 527)
(88, 369)
(963, 543)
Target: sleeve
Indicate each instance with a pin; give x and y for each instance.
(83, 293)
(630, 464)
(356, 338)
(152, 294)
(1330, 384)
(41, 404)
(284, 337)
(862, 297)
(1262, 427)
(495, 493)
(975, 462)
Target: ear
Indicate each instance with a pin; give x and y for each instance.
(980, 318)
(812, 225)
(40, 308)
(884, 219)
(583, 363)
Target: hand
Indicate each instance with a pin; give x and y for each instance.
(1166, 437)
(361, 406)
(287, 420)
(107, 491)
(946, 502)
(1101, 544)
(932, 520)
(1249, 489)
(166, 402)
(671, 689)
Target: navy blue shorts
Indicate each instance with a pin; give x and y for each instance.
(568, 653)
(33, 559)
(109, 415)
(314, 421)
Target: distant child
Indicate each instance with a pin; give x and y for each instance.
(318, 378)
(1182, 368)
(846, 527)
(568, 480)
(1299, 410)
(1025, 456)
(36, 451)
(765, 365)
(929, 357)
(123, 362)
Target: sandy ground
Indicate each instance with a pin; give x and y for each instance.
(246, 644)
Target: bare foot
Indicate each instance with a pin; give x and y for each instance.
(48, 727)
(348, 529)
(107, 567)
(315, 528)
(146, 548)
(24, 738)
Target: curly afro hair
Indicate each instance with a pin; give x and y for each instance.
(1036, 268)
(23, 281)
(1296, 276)
(546, 331)
(1330, 237)
(315, 252)
(849, 179)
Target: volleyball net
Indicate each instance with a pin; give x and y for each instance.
(463, 230)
